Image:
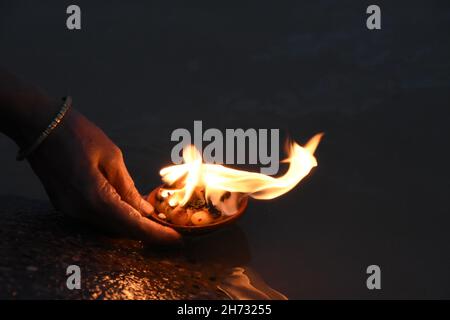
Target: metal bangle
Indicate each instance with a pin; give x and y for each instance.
(25, 152)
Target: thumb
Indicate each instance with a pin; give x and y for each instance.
(124, 218)
(125, 187)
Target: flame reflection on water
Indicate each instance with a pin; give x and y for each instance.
(245, 284)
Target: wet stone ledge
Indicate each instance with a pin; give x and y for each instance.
(37, 244)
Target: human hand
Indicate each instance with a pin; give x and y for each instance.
(85, 176)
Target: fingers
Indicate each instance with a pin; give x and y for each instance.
(121, 217)
(121, 180)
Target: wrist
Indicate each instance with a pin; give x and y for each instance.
(29, 117)
(25, 111)
(24, 152)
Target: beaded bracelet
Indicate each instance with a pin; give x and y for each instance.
(25, 152)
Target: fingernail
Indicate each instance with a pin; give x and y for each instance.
(146, 207)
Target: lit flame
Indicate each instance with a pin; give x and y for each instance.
(217, 179)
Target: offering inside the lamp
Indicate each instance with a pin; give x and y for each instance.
(198, 194)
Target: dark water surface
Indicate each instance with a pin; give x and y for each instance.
(380, 192)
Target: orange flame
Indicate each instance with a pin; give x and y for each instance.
(218, 179)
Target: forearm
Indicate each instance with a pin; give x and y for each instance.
(24, 109)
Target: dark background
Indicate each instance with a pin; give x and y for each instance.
(141, 69)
